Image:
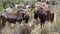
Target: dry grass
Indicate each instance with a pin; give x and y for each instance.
(46, 29)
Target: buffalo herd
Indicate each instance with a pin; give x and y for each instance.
(40, 10)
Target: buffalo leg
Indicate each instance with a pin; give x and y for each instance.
(42, 23)
(3, 22)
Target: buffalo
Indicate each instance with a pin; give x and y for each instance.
(10, 18)
(13, 17)
(44, 16)
(42, 12)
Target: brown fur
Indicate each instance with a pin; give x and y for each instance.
(13, 18)
(47, 15)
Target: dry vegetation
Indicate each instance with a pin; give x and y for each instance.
(35, 29)
(47, 29)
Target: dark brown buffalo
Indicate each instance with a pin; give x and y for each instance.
(10, 18)
(13, 18)
(44, 16)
